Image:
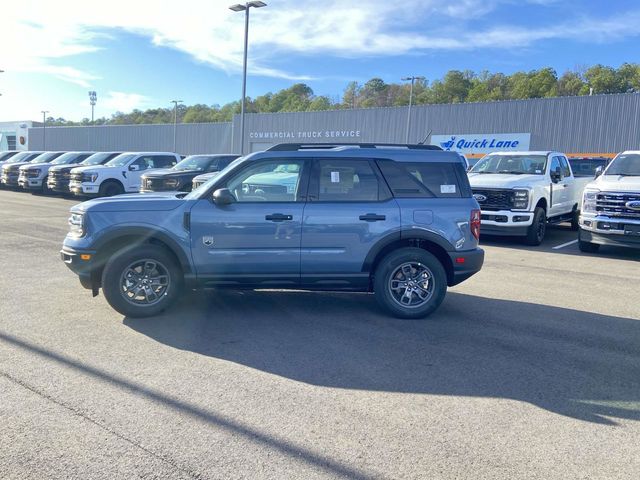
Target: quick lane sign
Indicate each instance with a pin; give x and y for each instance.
(482, 142)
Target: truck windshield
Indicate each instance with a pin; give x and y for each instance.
(45, 157)
(194, 162)
(512, 164)
(625, 164)
(120, 160)
(65, 158)
(95, 159)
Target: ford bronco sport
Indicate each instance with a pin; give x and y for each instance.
(397, 220)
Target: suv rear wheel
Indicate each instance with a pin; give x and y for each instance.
(141, 282)
(410, 283)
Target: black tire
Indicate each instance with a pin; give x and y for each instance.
(537, 230)
(389, 272)
(114, 282)
(45, 188)
(575, 220)
(110, 188)
(588, 247)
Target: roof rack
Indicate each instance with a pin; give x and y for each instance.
(293, 147)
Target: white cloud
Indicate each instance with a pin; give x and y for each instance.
(45, 35)
(125, 102)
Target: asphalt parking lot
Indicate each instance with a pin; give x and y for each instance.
(531, 369)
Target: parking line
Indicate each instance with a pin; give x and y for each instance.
(565, 244)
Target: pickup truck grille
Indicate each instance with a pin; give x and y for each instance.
(615, 204)
(76, 176)
(495, 199)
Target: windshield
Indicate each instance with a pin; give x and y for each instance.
(120, 160)
(6, 155)
(512, 164)
(193, 162)
(65, 158)
(95, 159)
(45, 157)
(625, 164)
(20, 157)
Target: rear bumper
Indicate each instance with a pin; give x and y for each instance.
(465, 264)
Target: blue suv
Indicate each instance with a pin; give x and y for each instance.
(397, 220)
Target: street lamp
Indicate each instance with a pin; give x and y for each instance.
(175, 121)
(93, 98)
(412, 79)
(44, 129)
(240, 8)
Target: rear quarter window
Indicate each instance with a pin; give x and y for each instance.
(425, 179)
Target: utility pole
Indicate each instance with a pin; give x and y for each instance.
(245, 8)
(175, 122)
(44, 129)
(412, 79)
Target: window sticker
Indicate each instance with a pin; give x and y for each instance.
(538, 171)
(447, 189)
(335, 177)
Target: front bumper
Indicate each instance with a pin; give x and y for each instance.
(465, 264)
(612, 231)
(85, 189)
(505, 222)
(9, 179)
(58, 185)
(81, 262)
(30, 183)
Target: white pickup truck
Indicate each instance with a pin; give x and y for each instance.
(610, 212)
(119, 175)
(520, 192)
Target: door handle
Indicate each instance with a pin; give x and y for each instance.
(278, 217)
(372, 217)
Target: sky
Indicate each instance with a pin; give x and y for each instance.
(143, 54)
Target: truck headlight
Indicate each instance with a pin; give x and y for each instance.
(520, 199)
(171, 183)
(34, 173)
(90, 177)
(76, 225)
(589, 198)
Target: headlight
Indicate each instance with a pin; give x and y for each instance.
(89, 176)
(589, 198)
(171, 182)
(520, 199)
(76, 224)
(34, 172)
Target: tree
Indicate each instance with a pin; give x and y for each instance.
(320, 103)
(350, 95)
(603, 79)
(570, 83)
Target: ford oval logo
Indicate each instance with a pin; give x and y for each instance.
(479, 197)
(633, 205)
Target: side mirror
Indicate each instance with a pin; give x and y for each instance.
(556, 175)
(134, 168)
(223, 196)
(599, 171)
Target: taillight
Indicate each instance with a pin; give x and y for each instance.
(475, 223)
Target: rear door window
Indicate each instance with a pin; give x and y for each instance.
(346, 181)
(163, 161)
(425, 179)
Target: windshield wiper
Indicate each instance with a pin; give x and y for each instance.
(511, 172)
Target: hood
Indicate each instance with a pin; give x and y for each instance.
(14, 167)
(86, 168)
(29, 166)
(149, 202)
(62, 168)
(504, 180)
(616, 183)
(206, 176)
(166, 173)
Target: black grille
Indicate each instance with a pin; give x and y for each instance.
(76, 176)
(494, 199)
(615, 204)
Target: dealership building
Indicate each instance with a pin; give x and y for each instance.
(584, 125)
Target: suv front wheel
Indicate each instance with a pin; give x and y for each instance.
(410, 283)
(141, 282)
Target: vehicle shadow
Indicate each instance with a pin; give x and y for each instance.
(578, 364)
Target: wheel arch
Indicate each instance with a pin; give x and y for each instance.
(425, 240)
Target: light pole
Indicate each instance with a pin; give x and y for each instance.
(240, 8)
(44, 129)
(175, 121)
(93, 98)
(412, 79)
